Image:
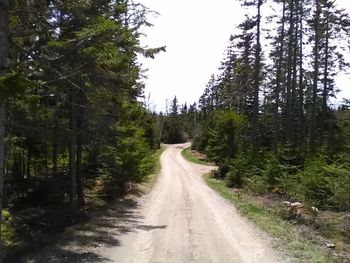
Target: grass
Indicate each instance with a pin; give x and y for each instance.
(287, 237)
(187, 154)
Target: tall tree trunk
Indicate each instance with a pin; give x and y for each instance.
(289, 114)
(73, 147)
(3, 70)
(312, 143)
(325, 83)
(80, 191)
(80, 126)
(301, 131)
(278, 81)
(54, 148)
(257, 73)
(29, 158)
(294, 82)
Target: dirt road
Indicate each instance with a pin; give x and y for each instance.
(183, 220)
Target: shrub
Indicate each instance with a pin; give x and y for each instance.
(234, 179)
(339, 174)
(256, 184)
(309, 186)
(239, 168)
(272, 171)
(221, 172)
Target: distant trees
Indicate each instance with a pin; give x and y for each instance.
(179, 123)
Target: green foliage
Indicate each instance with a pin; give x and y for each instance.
(128, 157)
(224, 135)
(99, 28)
(200, 139)
(173, 128)
(319, 182)
(234, 178)
(340, 183)
(75, 80)
(272, 170)
(323, 183)
(238, 171)
(13, 85)
(222, 171)
(315, 183)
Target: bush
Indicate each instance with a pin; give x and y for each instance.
(234, 179)
(239, 168)
(321, 184)
(339, 174)
(272, 171)
(221, 172)
(200, 140)
(256, 184)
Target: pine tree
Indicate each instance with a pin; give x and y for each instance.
(316, 28)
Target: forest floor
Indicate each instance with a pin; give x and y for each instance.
(36, 228)
(180, 220)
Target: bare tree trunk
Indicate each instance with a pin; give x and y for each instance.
(80, 127)
(289, 110)
(73, 147)
(3, 70)
(325, 83)
(294, 111)
(29, 158)
(54, 148)
(312, 143)
(257, 72)
(278, 80)
(301, 78)
(80, 191)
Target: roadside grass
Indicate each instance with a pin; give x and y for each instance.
(296, 242)
(286, 237)
(189, 156)
(147, 185)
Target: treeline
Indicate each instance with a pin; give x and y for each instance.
(267, 117)
(178, 123)
(69, 88)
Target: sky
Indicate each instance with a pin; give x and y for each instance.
(196, 34)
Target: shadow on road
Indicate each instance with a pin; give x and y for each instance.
(84, 243)
(148, 228)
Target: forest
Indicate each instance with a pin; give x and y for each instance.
(71, 119)
(73, 123)
(271, 118)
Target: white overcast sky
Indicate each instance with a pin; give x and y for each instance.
(196, 34)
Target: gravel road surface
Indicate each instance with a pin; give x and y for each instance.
(183, 220)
